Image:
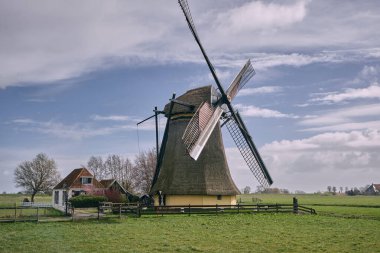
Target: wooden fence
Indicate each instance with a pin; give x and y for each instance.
(137, 210)
(23, 212)
(35, 212)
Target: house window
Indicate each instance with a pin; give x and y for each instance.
(219, 197)
(86, 180)
(56, 197)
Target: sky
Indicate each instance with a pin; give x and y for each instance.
(76, 77)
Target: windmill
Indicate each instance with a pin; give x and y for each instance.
(191, 166)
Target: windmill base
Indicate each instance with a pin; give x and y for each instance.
(184, 200)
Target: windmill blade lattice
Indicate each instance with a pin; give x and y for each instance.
(249, 152)
(186, 10)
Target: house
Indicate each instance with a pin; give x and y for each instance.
(81, 181)
(373, 189)
(114, 191)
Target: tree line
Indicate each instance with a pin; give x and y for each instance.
(135, 176)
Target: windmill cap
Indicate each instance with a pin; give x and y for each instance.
(194, 97)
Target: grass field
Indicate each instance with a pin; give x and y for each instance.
(228, 233)
(312, 199)
(11, 199)
(366, 207)
(344, 226)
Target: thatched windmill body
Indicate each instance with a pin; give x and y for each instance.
(191, 165)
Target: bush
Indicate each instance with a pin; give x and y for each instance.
(86, 201)
(115, 196)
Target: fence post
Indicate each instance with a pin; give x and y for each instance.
(37, 214)
(138, 210)
(295, 205)
(15, 211)
(99, 211)
(72, 214)
(216, 209)
(189, 210)
(238, 208)
(276, 208)
(119, 211)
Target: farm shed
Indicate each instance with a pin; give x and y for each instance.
(373, 189)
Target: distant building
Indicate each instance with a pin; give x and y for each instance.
(373, 189)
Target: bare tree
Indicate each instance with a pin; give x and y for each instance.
(260, 189)
(247, 190)
(329, 188)
(334, 190)
(114, 166)
(127, 177)
(95, 164)
(145, 166)
(41, 174)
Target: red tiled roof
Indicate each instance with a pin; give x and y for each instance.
(377, 186)
(73, 180)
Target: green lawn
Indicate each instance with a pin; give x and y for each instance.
(343, 224)
(366, 207)
(311, 199)
(11, 199)
(197, 233)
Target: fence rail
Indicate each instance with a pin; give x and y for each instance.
(35, 204)
(136, 209)
(35, 212)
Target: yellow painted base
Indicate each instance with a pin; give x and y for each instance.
(182, 200)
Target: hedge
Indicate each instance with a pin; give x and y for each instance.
(86, 201)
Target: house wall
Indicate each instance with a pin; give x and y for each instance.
(61, 200)
(180, 200)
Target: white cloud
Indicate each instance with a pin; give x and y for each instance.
(331, 141)
(342, 115)
(372, 91)
(253, 111)
(310, 164)
(48, 41)
(344, 119)
(111, 117)
(258, 15)
(375, 124)
(82, 130)
(370, 73)
(259, 90)
(337, 158)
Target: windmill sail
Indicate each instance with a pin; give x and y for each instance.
(248, 150)
(200, 128)
(240, 80)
